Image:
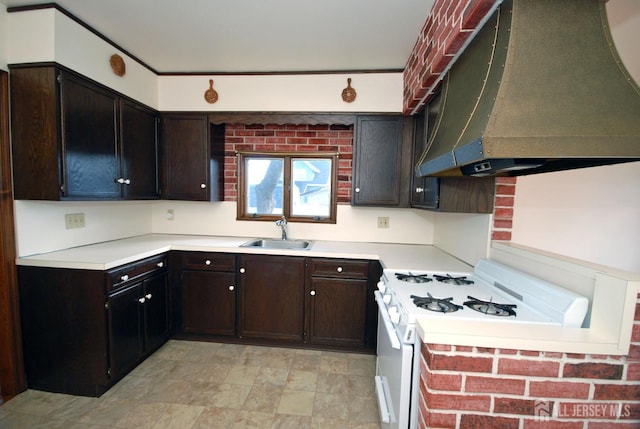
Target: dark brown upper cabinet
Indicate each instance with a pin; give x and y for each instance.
(74, 139)
(193, 158)
(382, 153)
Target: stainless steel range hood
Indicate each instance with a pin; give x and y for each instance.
(540, 88)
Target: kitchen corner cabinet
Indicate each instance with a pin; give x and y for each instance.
(271, 297)
(341, 309)
(382, 152)
(193, 158)
(74, 139)
(83, 330)
(209, 293)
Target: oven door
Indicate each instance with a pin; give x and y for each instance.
(393, 372)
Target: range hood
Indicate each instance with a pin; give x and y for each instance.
(540, 88)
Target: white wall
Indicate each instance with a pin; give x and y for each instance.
(376, 92)
(4, 46)
(353, 223)
(48, 35)
(594, 213)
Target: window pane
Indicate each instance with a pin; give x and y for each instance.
(264, 185)
(311, 190)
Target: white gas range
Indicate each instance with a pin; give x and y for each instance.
(492, 293)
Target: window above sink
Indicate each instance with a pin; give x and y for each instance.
(300, 186)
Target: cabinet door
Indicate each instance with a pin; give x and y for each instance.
(156, 311)
(139, 146)
(125, 329)
(337, 311)
(90, 150)
(377, 160)
(185, 146)
(209, 302)
(271, 297)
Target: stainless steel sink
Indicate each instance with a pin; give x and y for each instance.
(272, 243)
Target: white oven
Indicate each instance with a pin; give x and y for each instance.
(492, 293)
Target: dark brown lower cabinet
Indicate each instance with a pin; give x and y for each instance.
(342, 311)
(138, 322)
(209, 300)
(83, 330)
(271, 292)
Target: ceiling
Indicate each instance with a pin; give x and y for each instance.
(239, 36)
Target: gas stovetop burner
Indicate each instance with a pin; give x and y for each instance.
(491, 308)
(460, 281)
(435, 304)
(413, 278)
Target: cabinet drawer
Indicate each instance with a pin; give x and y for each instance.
(209, 261)
(342, 268)
(119, 276)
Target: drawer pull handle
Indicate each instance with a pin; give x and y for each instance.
(339, 269)
(207, 262)
(124, 278)
(160, 264)
(148, 296)
(231, 287)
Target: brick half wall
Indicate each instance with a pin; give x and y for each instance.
(474, 387)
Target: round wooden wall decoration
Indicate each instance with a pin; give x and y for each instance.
(210, 95)
(117, 65)
(348, 94)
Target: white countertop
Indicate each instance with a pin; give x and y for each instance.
(110, 254)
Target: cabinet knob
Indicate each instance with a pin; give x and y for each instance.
(313, 293)
(127, 181)
(242, 270)
(160, 264)
(339, 269)
(357, 190)
(120, 180)
(231, 287)
(148, 296)
(419, 190)
(124, 278)
(203, 185)
(141, 300)
(207, 262)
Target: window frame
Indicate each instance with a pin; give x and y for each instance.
(287, 157)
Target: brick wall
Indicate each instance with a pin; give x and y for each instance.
(447, 28)
(503, 208)
(472, 387)
(288, 138)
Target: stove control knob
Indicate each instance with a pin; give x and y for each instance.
(386, 299)
(394, 315)
(381, 286)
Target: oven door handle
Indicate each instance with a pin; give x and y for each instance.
(386, 321)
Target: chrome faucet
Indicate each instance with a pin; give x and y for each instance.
(282, 223)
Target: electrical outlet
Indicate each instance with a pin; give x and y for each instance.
(383, 222)
(74, 220)
(170, 214)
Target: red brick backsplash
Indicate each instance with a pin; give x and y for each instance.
(477, 387)
(446, 30)
(288, 138)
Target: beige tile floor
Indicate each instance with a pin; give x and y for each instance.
(199, 385)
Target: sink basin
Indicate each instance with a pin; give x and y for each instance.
(272, 243)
